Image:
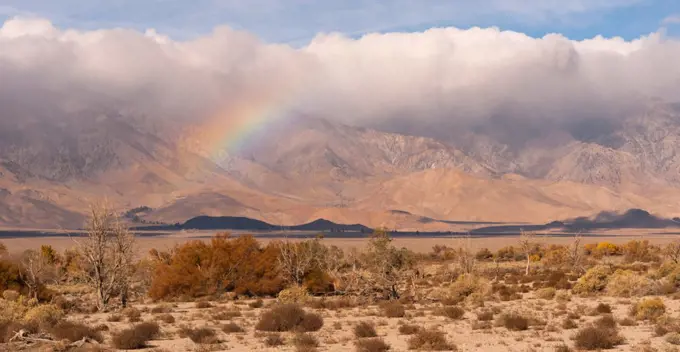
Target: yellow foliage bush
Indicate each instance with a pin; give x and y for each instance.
(11, 310)
(294, 294)
(466, 285)
(43, 315)
(593, 281)
(626, 283)
(648, 309)
(546, 293)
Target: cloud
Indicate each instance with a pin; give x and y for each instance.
(673, 19)
(300, 20)
(438, 75)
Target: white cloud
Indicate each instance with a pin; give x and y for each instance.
(673, 19)
(443, 73)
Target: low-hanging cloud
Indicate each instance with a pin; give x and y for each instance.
(442, 74)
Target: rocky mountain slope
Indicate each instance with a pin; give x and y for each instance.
(310, 168)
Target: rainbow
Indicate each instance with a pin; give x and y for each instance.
(234, 126)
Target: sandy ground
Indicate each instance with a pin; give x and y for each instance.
(337, 332)
(422, 245)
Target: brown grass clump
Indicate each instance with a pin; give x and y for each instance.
(627, 322)
(199, 335)
(232, 328)
(133, 314)
(114, 318)
(163, 308)
(408, 329)
(259, 303)
(486, 315)
(203, 304)
(394, 310)
(227, 314)
(546, 293)
(288, 317)
(364, 329)
(513, 322)
(430, 340)
(305, 342)
(166, 318)
(569, 324)
(273, 340)
(135, 337)
(603, 308)
(74, 331)
(606, 321)
(371, 345)
(595, 338)
(452, 312)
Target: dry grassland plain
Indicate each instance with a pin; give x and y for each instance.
(511, 293)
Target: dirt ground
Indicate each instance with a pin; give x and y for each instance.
(421, 245)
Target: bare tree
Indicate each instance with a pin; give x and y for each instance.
(527, 244)
(672, 251)
(296, 260)
(576, 253)
(107, 250)
(464, 257)
(36, 270)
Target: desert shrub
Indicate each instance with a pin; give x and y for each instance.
(44, 316)
(627, 322)
(364, 329)
(294, 294)
(10, 295)
(603, 308)
(486, 315)
(595, 338)
(393, 310)
(114, 318)
(513, 321)
(203, 305)
(568, 324)
(133, 314)
(259, 303)
(232, 328)
(430, 340)
(197, 268)
(226, 314)
(640, 251)
(546, 293)
(606, 321)
(626, 283)
(469, 285)
(163, 308)
(273, 340)
(166, 318)
(288, 317)
(310, 322)
(73, 331)
(648, 309)
(562, 348)
(201, 335)
(673, 338)
(452, 312)
(11, 277)
(305, 342)
(483, 254)
(593, 281)
(563, 296)
(135, 337)
(371, 345)
(408, 329)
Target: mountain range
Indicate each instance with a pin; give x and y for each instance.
(307, 168)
